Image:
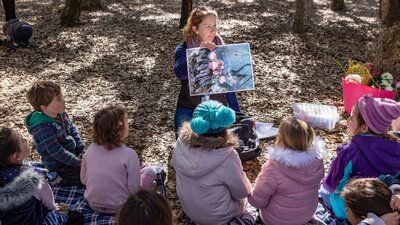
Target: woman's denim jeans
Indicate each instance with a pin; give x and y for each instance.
(182, 114)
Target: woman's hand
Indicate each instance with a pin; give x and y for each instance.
(209, 45)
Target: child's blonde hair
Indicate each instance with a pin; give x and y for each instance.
(196, 17)
(295, 134)
(108, 126)
(42, 93)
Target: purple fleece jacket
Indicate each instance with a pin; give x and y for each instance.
(370, 156)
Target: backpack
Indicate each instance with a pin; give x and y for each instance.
(245, 129)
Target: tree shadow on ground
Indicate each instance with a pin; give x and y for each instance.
(123, 54)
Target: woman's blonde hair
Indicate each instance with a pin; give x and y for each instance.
(196, 17)
(295, 134)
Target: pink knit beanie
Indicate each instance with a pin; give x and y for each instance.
(378, 113)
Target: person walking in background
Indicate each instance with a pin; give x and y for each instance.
(9, 9)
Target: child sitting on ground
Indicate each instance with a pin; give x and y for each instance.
(25, 196)
(146, 207)
(210, 182)
(287, 187)
(110, 170)
(18, 32)
(368, 201)
(56, 138)
(370, 153)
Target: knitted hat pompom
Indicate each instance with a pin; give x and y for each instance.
(199, 125)
(225, 116)
(211, 117)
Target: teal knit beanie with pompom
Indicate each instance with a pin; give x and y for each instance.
(211, 117)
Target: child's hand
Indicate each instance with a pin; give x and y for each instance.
(391, 218)
(209, 45)
(395, 202)
(61, 207)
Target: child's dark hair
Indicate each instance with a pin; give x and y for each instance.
(108, 125)
(8, 146)
(145, 208)
(295, 134)
(366, 195)
(42, 93)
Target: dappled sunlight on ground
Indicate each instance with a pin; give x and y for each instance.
(123, 54)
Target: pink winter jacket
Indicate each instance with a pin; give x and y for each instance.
(286, 190)
(210, 181)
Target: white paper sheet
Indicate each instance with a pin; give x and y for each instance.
(266, 130)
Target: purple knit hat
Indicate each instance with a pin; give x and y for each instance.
(378, 113)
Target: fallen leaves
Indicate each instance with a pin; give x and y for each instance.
(124, 54)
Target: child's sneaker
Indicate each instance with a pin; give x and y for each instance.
(26, 45)
(160, 179)
(13, 45)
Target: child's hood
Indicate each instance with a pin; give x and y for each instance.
(35, 118)
(303, 167)
(16, 23)
(12, 21)
(297, 159)
(20, 190)
(196, 155)
(379, 151)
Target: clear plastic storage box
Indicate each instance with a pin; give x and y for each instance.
(316, 115)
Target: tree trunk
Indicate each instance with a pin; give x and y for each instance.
(91, 4)
(388, 49)
(71, 13)
(298, 23)
(302, 15)
(185, 12)
(337, 5)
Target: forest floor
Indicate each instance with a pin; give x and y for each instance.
(123, 54)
